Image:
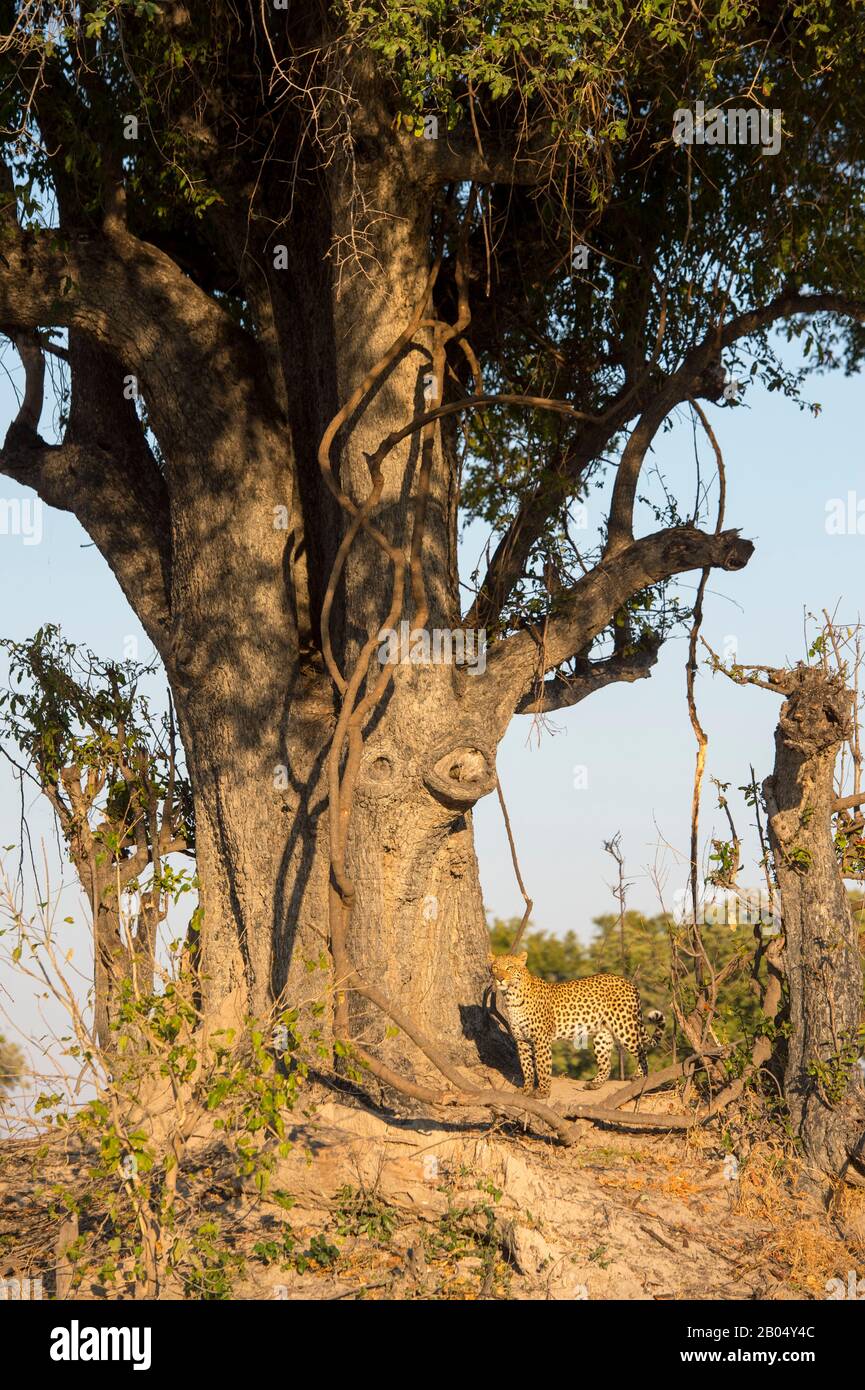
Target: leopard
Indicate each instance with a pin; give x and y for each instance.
(605, 1008)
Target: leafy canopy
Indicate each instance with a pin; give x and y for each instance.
(241, 110)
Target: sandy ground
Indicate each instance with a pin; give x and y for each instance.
(413, 1208)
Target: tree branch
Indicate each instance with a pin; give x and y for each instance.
(117, 493)
(515, 663)
(633, 663)
(131, 299)
(698, 376)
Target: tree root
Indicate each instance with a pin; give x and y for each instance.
(518, 1104)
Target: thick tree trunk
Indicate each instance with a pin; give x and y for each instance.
(823, 1084)
(257, 711)
(255, 746)
(418, 928)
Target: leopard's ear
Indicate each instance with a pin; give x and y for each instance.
(490, 957)
(522, 957)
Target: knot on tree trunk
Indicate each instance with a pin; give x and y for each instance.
(382, 771)
(817, 713)
(460, 773)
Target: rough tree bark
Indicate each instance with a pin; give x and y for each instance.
(823, 1085)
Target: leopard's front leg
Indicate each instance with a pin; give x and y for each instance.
(527, 1063)
(544, 1066)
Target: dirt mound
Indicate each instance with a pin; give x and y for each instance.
(387, 1207)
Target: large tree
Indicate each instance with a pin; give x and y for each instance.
(320, 275)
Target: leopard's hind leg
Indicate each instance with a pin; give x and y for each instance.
(603, 1043)
(632, 1035)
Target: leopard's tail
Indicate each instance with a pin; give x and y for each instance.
(655, 1017)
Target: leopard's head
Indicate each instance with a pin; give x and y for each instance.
(508, 970)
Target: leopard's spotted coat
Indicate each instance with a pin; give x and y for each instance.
(605, 1008)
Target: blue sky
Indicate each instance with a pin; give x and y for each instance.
(634, 742)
